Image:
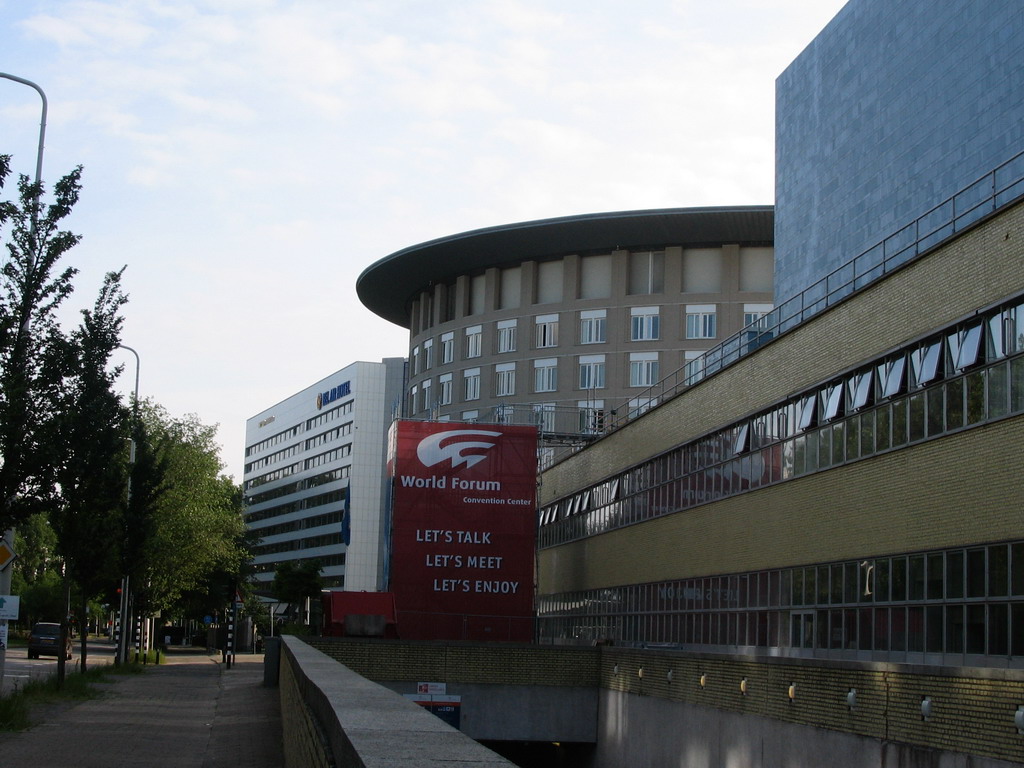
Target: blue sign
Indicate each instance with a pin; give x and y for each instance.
(325, 398)
(207, 620)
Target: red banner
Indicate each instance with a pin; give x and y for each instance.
(463, 530)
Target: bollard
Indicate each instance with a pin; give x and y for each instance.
(271, 661)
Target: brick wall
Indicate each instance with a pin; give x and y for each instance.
(957, 490)
(964, 492)
(304, 743)
(463, 662)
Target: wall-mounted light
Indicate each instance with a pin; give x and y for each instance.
(791, 692)
(926, 708)
(669, 676)
(1018, 720)
(703, 681)
(851, 699)
(615, 669)
(743, 686)
(640, 673)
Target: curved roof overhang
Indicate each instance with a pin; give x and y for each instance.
(388, 286)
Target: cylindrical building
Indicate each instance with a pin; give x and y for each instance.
(560, 321)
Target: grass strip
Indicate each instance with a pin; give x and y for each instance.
(16, 707)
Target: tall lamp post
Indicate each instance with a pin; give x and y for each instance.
(42, 121)
(8, 535)
(125, 604)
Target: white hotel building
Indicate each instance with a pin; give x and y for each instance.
(304, 455)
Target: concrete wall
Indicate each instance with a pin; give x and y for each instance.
(759, 725)
(510, 692)
(521, 712)
(644, 731)
(649, 708)
(362, 724)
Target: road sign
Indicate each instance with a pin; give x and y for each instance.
(6, 555)
(9, 607)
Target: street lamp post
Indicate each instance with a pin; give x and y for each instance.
(42, 121)
(125, 604)
(8, 535)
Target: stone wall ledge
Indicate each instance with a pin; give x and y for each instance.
(368, 726)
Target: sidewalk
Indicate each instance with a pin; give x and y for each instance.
(188, 712)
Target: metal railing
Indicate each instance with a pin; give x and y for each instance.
(999, 187)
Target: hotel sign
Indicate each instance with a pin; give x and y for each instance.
(328, 397)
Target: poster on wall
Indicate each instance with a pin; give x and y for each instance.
(463, 530)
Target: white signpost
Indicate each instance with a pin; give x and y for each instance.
(9, 606)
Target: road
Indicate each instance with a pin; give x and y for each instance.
(19, 669)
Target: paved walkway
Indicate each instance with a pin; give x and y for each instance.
(188, 712)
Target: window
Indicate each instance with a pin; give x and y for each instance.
(859, 389)
(547, 331)
(444, 396)
(505, 379)
(545, 375)
(592, 372)
(592, 330)
(415, 359)
(694, 365)
(591, 416)
(754, 312)
(754, 324)
(544, 416)
(643, 369)
(965, 347)
(428, 354)
(645, 324)
(924, 362)
(647, 272)
(701, 321)
(474, 337)
(447, 348)
(506, 336)
(427, 404)
(641, 405)
(470, 416)
(890, 376)
(831, 401)
(471, 382)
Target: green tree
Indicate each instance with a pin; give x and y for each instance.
(88, 439)
(36, 578)
(294, 582)
(195, 530)
(36, 545)
(31, 290)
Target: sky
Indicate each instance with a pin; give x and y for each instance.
(246, 160)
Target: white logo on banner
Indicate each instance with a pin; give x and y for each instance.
(430, 451)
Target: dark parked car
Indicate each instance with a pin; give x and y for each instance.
(45, 641)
